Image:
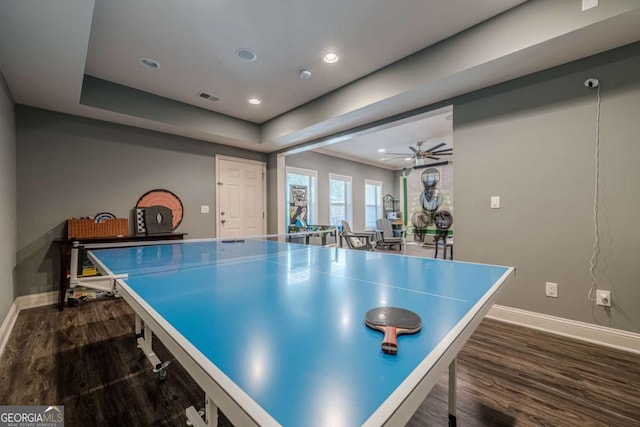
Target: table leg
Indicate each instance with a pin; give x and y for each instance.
(210, 414)
(452, 393)
(144, 339)
(65, 260)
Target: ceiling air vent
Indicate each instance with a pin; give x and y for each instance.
(205, 95)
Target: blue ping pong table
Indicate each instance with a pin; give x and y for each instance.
(274, 332)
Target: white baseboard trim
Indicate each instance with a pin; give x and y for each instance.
(7, 326)
(37, 300)
(596, 334)
(23, 303)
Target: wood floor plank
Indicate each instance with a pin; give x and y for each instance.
(544, 379)
(86, 359)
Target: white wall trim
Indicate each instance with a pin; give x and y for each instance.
(7, 326)
(23, 303)
(36, 300)
(596, 334)
(281, 184)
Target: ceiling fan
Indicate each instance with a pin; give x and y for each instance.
(422, 157)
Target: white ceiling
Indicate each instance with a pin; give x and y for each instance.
(196, 44)
(81, 57)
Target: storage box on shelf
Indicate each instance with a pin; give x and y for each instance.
(86, 227)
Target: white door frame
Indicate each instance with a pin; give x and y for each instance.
(281, 188)
(219, 157)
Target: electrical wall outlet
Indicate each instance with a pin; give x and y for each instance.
(603, 298)
(551, 290)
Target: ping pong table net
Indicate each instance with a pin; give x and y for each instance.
(158, 257)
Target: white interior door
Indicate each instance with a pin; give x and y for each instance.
(241, 197)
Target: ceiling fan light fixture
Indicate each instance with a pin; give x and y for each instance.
(254, 101)
(419, 161)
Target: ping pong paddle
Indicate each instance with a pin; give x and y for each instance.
(392, 321)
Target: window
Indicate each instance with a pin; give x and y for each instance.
(339, 199)
(301, 196)
(372, 203)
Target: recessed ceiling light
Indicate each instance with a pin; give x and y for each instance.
(149, 63)
(330, 58)
(381, 150)
(246, 54)
(254, 101)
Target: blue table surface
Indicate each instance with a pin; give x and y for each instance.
(285, 322)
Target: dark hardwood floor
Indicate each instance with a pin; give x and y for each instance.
(85, 359)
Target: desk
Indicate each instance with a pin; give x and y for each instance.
(65, 246)
(274, 332)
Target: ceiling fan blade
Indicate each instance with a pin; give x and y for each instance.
(435, 147)
(400, 154)
(442, 151)
(433, 158)
(413, 149)
(432, 164)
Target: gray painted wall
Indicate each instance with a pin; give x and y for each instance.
(531, 141)
(357, 171)
(75, 167)
(8, 224)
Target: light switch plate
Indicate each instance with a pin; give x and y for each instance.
(204, 209)
(495, 202)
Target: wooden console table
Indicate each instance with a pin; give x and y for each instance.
(65, 246)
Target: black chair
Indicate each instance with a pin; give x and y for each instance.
(443, 221)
